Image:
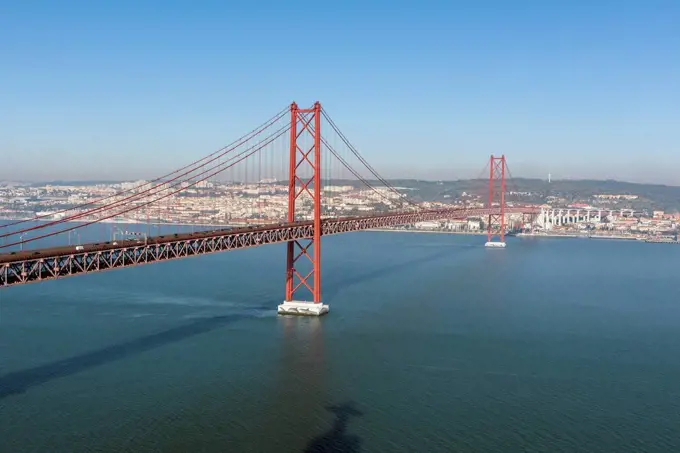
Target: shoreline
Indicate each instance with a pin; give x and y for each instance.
(580, 236)
(389, 230)
(519, 235)
(132, 223)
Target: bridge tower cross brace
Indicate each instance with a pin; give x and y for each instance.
(304, 181)
(496, 222)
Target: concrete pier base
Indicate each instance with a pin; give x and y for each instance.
(293, 307)
(495, 244)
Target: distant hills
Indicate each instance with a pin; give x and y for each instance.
(650, 196)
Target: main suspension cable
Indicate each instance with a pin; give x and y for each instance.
(234, 144)
(151, 190)
(240, 157)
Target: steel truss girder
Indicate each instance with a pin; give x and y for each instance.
(79, 263)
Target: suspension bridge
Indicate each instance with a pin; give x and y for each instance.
(289, 146)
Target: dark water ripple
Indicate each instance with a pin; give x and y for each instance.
(433, 344)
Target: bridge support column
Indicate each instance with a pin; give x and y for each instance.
(303, 263)
(496, 223)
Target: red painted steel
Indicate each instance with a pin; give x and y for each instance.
(302, 236)
(300, 184)
(30, 266)
(496, 221)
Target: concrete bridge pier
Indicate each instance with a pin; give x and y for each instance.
(300, 308)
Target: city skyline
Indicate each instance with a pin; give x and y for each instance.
(577, 90)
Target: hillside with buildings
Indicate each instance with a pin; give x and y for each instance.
(566, 206)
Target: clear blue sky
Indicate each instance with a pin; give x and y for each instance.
(577, 88)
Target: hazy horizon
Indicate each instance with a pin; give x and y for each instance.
(553, 180)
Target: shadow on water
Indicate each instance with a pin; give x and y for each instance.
(21, 381)
(337, 439)
(335, 287)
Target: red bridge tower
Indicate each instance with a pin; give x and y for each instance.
(303, 263)
(496, 222)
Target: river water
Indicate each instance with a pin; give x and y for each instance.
(433, 344)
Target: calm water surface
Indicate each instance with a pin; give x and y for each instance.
(433, 344)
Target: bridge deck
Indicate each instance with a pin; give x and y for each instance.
(18, 268)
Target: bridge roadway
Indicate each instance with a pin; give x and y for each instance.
(17, 268)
